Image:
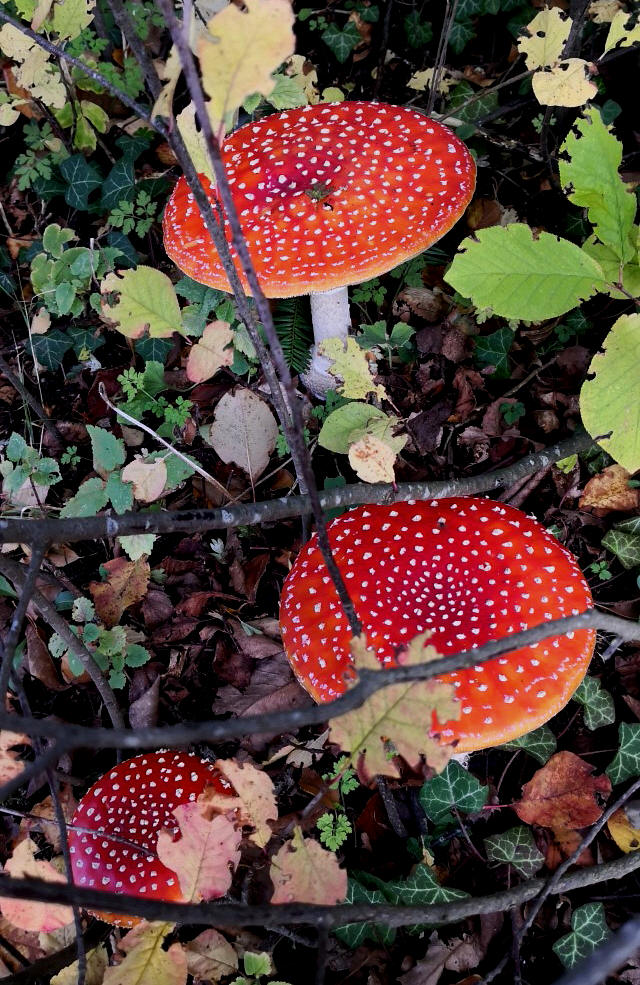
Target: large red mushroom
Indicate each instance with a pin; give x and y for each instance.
(328, 196)
(470, 571)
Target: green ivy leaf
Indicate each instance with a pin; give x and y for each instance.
(485, 103)
(90, 498)
(597, 704)
(50, 349)
(626, 762)
(516, 847)
(355, 934)
(611, 400)
(454, 787)
(119, 185)
(588, 163)
(541, 744)
(493, 350)
(81, 180)
(589, 931)
(461, 34)
(417, 32)
(153, 350)
(420, 889)
(625, 546)
(505, 269)
(341, 42)
(108, 451)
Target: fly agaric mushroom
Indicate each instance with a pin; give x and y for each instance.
(328, 196)
(129, 806)
(470, 571)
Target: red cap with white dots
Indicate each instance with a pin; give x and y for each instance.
(127, 808)
(471, 571)
(328, 195)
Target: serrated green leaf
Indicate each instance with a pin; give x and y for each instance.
(16, 448)
(541, 744)
(589, 931)
(120, 493)
(590, 178)
(516, 276)
(597, 704)
(90, 498)
(81, 180)
(493, 350)
(108, 451)
(136, 655)
(626, 762)
(611, 400)
(341, 42)
(454, 787)
(50, 349)
(355, 934)
(516, 847)
(286, 94)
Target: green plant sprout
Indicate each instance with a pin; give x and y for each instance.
(144, 396)
(134, 216)
(601, 569)
(256, 966)
(23, 467)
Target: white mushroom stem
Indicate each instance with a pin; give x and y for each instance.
(331, 320)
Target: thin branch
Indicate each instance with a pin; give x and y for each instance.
(369, 682)
(8, 646)
(254, 915)
(441, 53)
(248, 514)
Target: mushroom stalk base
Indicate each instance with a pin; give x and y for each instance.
(331, 320)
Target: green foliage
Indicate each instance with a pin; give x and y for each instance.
(516, 847)
(134, 216)
(341, 41)
(626, 762)
(589, 931)
(355, 934)
(23, 464)
(417, 32)
(205, 302)
(453, 788)
(334, 829)
(371, 290)
(512, 412)
(597, 704)
(493, 351)
(342, 776)
(600, 569)
(81, 179)
(397, 342)
(108, 451)
(293, 328)
(484, 102)
(145, 395)
(541, 744)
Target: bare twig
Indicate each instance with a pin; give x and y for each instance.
(8, 646)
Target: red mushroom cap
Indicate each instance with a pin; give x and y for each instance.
(471, 571)
(133, 802)
(328, 195)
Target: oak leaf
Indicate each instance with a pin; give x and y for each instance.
(400, 718)
(610, 491)
(564, 795)
(126, 583)
(30, 914)
(304, 871)
(146, 962)
(255, 800)
(205, 855)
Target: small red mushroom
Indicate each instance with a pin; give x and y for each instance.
(328, 196)
(128, 806)
(470, 571)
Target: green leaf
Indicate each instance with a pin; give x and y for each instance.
(355, 934)
(611, 400)
(630, 526)
(108, 451)
(516, 276)
(84, 339)
(516, 847)
(65, 296)
(461, 34)
(589, 931)
(591, 180)
(485, 103)
(292, 323)
(257, 964)
(90, 498)
(417, 32)
(137, 545)
(541, 744)
(54, 239)
(342, 42)
(625, 546)
(626, 762)
(597, 704)
(610, 264)
(493, 350)
(144, 301)
(50, 349)
(119, 185)
(454, 787)
(421, 888)
(136, 655)
(153, 350)
(120, 493)
(286, 94)
(348, 424)
(81, 180)
(16, 448)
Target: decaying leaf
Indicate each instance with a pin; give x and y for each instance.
(125, 584)
(626, 837)
(33, 70)
(372, 459)
(44, 818)
(621, 34)
(351, 369)
(10, 765)
(610, 491)
(30, 914)
(146, 962)
(306, 872)
(213, 351)
(242, 50)
(144, 300)
(149, 478)
(566, 84)
(244, 431)
(564, 795)
(205, 855)
(401, 716)
(255, 802)
(194, 141)
(545, 38)
(210, 956)
(97, 961)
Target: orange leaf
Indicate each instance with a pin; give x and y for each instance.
(125, 585)
(255, 801)
(29, 914)
(304, 871)
(564, 794)
(609, 491)
(10, 765)
(206, 855)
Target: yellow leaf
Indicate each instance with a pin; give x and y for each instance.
(40, 14)
(242, 50)
(33, 70)
(351, 369)
(145, 300)
(30, 914)
(205, 856)
(169, 73)
(399, 716)
(566, 84)
(194, 142)
(420, 81)
(213, 351)
(70, 17)
(626, 837)
(372, 459)
(97, 961)
(621, 34)
(299, 68)
(255, 802)
(303, 870)
(603, 11)
(547, 35)
(146, 962)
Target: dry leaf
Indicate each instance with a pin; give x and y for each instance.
(45, 812)
(609, 491)
(33, 71)
(205, 855)
(244, 431)
(10, 765)
(210, 956)
(351, 369)
(626, 837)
(548, 33)
(126, 583)
(621, 34)
(242, 49)
(30, 914)
(169, 72)
(563, 795)
(213, 351)
(194, 142)
(372, 459)
(255, 802)
(603, 11)
(403, 715)
(148, 478)
(306, 872)
(97, 961)
(146, 962)
(41, 322)
(566, 84)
